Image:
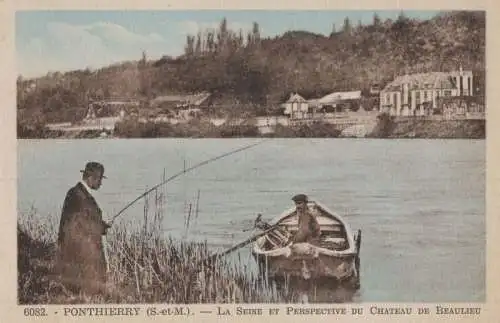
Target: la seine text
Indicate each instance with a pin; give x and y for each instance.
(240, 310)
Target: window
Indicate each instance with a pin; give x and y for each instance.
(417, 97)
(447, 93)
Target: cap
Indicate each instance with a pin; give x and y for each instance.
(300, 198)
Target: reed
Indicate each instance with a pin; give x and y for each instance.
(144, 266)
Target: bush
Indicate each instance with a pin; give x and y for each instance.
(385, 126)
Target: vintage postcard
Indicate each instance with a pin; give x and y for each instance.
(319, 162)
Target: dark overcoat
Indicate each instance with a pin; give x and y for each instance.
(81, 262)
(308, 228)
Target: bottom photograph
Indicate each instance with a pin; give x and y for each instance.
(220, 228)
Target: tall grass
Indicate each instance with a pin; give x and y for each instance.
(144, 266)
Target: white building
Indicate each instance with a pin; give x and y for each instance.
(336, 101)
(417, 94)
(296, 107)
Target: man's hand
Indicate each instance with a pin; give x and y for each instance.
(106, 226)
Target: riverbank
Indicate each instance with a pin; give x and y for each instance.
(446, 129)
(386, 128)
(143, 268)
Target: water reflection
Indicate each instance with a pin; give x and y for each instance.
(325, 290)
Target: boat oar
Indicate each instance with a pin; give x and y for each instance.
(239, 245)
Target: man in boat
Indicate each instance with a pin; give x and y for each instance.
(81, 263)
(308, 227)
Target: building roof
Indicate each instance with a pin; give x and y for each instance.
(193, 99)
(116, 101)
(340, 96)
(295, 97)
(432, 80)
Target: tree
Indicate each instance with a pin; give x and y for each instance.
(334, 30)
(222, 36)
(347, 28)
(256, 33)
(240, 39)
(402, 17)
(211, 41)
(376, 21)
(144, 82)
(189, 49)
(197, 49)
(143, 60)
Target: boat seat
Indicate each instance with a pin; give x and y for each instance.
(334, 239)
(277, 239)
(335, 243)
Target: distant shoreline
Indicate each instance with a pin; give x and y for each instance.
(419, 129)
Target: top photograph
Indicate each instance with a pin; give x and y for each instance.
(230, 74)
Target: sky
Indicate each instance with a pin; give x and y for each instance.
(49, 41)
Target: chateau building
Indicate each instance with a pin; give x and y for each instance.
(417, 94)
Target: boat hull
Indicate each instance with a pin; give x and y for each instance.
(310, 265)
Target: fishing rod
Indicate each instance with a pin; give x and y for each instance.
(183, 172)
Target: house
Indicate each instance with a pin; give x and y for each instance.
(418, 94)
(335, 103)
(183, 106)
(104, 114)
(296, 107)
(110, 108)
(339, 101)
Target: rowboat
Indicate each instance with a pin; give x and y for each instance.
(335, 255)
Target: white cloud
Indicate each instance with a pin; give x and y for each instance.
(191, 27)
(120, 34)
(67, 47)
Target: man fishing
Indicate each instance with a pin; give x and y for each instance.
(308, 227)
(81, 262)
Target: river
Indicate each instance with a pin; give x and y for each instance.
(419, 203)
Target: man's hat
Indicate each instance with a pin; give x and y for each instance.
(92, 167)
(300, 198)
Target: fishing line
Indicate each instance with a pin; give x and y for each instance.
(183, 172)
